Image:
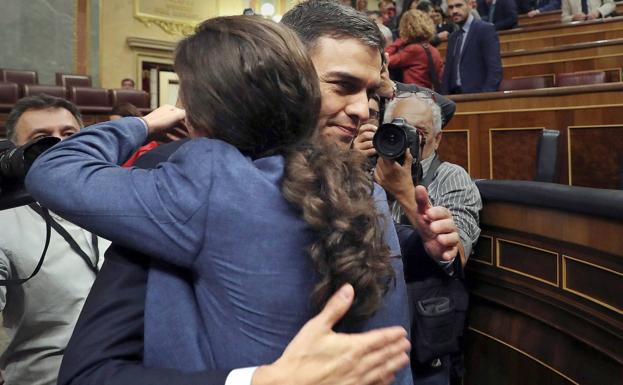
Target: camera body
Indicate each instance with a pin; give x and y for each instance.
(14, 164)
(392, 140)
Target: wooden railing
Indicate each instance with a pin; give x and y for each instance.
(545, 286)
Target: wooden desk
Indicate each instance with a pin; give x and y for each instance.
(494, 135)
(567, 51)
(545, 287)
(551, 17)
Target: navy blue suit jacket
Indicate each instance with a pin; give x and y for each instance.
(107, 344)
(504, 15)
(481, 64)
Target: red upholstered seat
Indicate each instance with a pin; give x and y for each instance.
(580, 78)
(89, 96)
(527, 83)
(73, 80)
(19, 76)
(138, 98)
(36, 89)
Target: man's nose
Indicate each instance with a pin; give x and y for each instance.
(359, 108)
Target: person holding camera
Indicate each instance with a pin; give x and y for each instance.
(39, 314)
(443, 192)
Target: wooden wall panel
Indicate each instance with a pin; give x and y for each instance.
(529, 261)
(553, 109)
(597, 283)
(454, 148)
(512, 153)
(595, 155)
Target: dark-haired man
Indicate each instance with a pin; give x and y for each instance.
(346, 49)
(473, 61)
(127, 84)
(39, 315)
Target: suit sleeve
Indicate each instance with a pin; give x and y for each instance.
(553, 5)
(566, 16)
(607, 8)
(127, 206)
(510, 16)
(445, 83)
(107, 343)
(492, 59)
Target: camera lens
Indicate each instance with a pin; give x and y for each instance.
(390, 141)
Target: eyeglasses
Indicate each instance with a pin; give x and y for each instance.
(426, 95)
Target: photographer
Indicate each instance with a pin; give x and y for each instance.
(454, 197)
(40, 314)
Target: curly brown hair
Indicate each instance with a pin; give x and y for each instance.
(416, 26)
(335, 196)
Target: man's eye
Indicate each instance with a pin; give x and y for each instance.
(68, 133)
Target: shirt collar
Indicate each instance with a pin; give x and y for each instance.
(427, 162)
(468, 23)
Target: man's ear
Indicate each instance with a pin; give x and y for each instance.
(438, 139)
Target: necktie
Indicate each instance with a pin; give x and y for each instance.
(492, 10)
(457, 55)
(584, 7)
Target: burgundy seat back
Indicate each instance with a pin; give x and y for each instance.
(527, 83)
(36, 89)
(9, 94)
(138, 98)
(73, 80)
(19, 76)
(89, 96)
(580, 78)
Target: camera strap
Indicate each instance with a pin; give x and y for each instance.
(48, 234)
(69, 239)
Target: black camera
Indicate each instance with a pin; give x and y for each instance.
(392, 140)
(14, 164)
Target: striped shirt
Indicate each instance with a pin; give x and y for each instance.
(453, 189)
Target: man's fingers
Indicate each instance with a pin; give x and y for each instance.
(449, 239)
(380, 366)
(422, 200)
(380, 338)
(336, 307)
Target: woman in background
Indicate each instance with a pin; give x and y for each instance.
(412, 55)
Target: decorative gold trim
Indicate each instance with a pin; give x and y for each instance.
(580, 294)
(168, 26)
(491, 142)
(490, 262)
(523, 353)
(469, 152)
(497, 261)
(570, 165)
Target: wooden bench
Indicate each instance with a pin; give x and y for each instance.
(494, 135)
(567, 51)
(551, 17)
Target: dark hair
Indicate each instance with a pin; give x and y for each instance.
(249, 82)
(314, 19)
(255, 97)
(37, 102)
(125, 109)
(127, 79)
(424, 6)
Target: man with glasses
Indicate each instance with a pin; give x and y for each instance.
(450, 190)
(39, 315)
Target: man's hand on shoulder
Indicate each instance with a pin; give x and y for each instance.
(319, 356)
